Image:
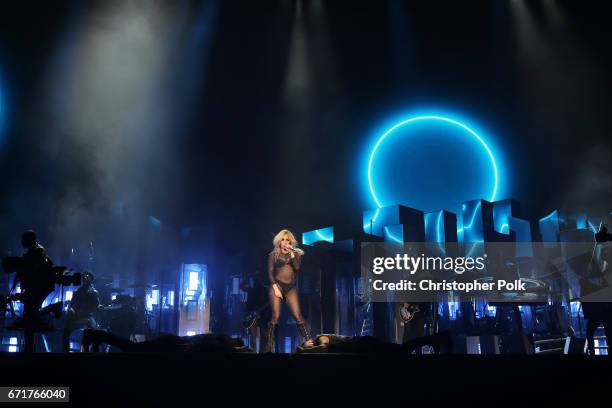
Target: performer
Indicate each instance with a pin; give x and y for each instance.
(413, 317)
(167, 343)
(333, 343)
(257, 310)
(597, 313)
(283, 263)
(85, 301)
(36, 276)
(34, 273)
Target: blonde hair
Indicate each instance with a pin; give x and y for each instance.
(278, 237)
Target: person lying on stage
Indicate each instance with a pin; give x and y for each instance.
(167, 343)
(333, 343)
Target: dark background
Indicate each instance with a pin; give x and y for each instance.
(253, 116)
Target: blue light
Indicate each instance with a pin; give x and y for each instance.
(433, 227)
(473, 217)
(549, 229)
(323, 237)
(375, 216)
(453, 307)
(389, 233)
(155, 296)
(194, 280)
(319, 235)
(374, 221)
(46, 343)
(154, 222)
(502, 210)
(287, 344)
(194, 283)
(522, 229)
(581, 221)
(368, 220)
(2, 110)
(438, 224)
(472, 133)
(434, 232)
(552, 214)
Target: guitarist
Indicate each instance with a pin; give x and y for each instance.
(257, 314)
(413, 317)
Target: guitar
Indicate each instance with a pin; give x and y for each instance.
(407, 313)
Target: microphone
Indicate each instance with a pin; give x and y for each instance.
(296, 250)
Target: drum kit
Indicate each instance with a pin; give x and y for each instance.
(125, 315)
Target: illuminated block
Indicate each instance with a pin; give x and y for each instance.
(556, 222)
(440, 226)
(369, 219)
(522, 233)
(319, 235)
(502, 210)
(374, 221)
(549, 229)
(441, 229)
(521, 228)
(477, 217)
(394, 233)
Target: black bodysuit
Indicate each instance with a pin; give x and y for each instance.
(282, 269)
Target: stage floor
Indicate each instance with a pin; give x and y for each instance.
(168, 379)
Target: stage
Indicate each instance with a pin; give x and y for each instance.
(170, 379)
(191, 178)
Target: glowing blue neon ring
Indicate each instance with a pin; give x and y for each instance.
(1, 111)
(440, 118)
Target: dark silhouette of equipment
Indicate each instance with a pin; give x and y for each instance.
(597, 313)
(602, 235)
(37, 277)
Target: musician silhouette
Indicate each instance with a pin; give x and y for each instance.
(257, 314)
(85, 301)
